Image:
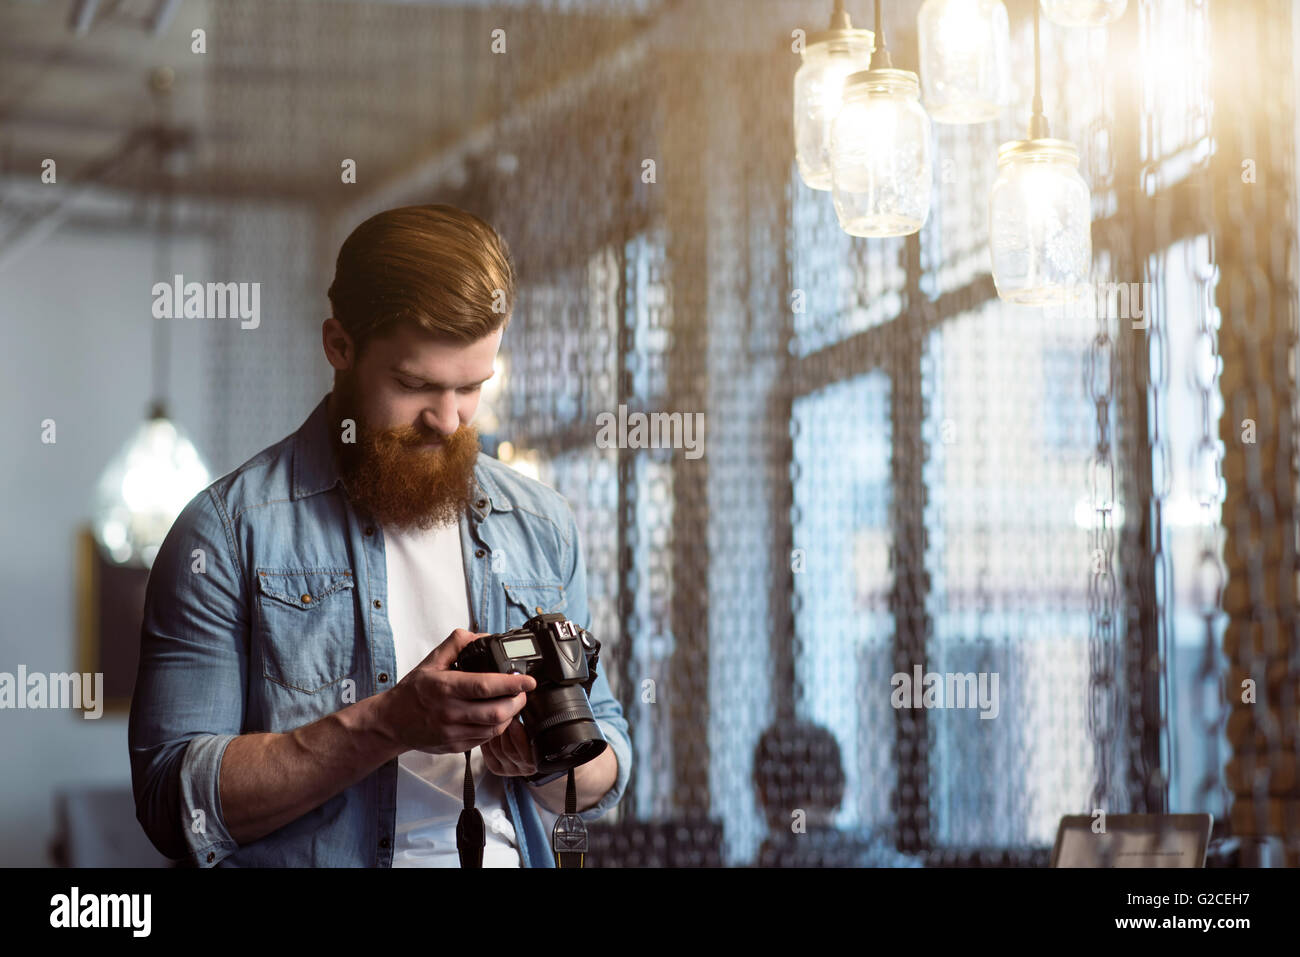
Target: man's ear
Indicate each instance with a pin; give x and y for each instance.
(338, 345)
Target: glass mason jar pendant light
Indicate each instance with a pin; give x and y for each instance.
(1040, 229)
(1084, 13)
(880, 150)
(829, 57)
(965, 52)
(142, 490)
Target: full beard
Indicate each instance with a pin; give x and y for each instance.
(401, 483)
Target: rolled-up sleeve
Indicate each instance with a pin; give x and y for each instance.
(189, 695)
(604, 706)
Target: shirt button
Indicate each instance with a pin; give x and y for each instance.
(306, 599)
(539, 609)
(383, 842)
(211, 857)
(378, 603)
(383, 677)
(370, 530)
(479, 554)
(481, 503)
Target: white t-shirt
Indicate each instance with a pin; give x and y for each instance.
(426, 603)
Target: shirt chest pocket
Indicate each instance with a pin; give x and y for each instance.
(524, 599)
(306, 627)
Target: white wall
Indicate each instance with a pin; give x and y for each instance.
(75, 319)
(76, 322)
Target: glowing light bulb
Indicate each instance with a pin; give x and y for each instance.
(142, 490)
(880, 155)
(1040, 229)
(965, 58)
(828, 59)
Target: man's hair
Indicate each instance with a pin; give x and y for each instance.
(437, 268)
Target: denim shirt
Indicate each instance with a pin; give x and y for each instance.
(266, 609)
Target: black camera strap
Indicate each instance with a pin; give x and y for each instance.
(471, 835)
(569, 836)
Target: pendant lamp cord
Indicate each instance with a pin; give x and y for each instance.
(880, 55)
(161, 338)
(1038, 128)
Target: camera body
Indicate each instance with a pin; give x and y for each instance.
(561, 656)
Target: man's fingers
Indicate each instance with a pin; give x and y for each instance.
(445, 654)
(516, 746)
(493, 760)
(461, 745)
(476, 685)
(467, 737)
(503, 754)
(490, 712)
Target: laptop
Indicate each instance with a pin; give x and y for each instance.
(1133, 840)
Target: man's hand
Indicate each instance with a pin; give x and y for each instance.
(438, 710)
(510, 755)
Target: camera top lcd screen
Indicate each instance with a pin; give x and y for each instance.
(519, 647)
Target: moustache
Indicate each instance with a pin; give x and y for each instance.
(410, 437)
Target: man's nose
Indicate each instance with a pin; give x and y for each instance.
(442, 415)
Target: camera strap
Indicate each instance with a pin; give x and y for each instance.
(471, 835)
(569, 836)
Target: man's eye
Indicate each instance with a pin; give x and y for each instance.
(406, 387)
(470, 389)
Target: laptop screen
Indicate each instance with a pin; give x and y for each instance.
(1132, 840)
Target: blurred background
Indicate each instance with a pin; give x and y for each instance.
(901, 466)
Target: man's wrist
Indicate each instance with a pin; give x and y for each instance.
(367, 721)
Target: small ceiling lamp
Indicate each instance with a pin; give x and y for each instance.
(142, 490)
(1084, 13)
(829, 56)
(1040, 229)
(880, 150)
(965, 46)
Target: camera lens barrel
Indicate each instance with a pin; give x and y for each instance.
(563, 730)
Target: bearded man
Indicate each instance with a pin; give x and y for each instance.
(295, 703)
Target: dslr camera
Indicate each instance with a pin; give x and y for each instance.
(561, 656)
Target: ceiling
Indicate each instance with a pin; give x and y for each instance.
(286, 89)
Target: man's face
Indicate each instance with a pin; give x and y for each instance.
(412, 398)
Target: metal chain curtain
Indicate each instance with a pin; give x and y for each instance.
(1254, 249)
(261, 383)
(898, 469)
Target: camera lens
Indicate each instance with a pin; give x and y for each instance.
(563, 729)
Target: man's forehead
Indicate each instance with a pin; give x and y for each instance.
(416, 343)
(441, 362)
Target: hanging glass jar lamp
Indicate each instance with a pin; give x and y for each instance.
(880, 151)
(828, 58)
(1040, 223)
(144, 488)
(1084, 13)
(965, 54)
(1040, 214)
